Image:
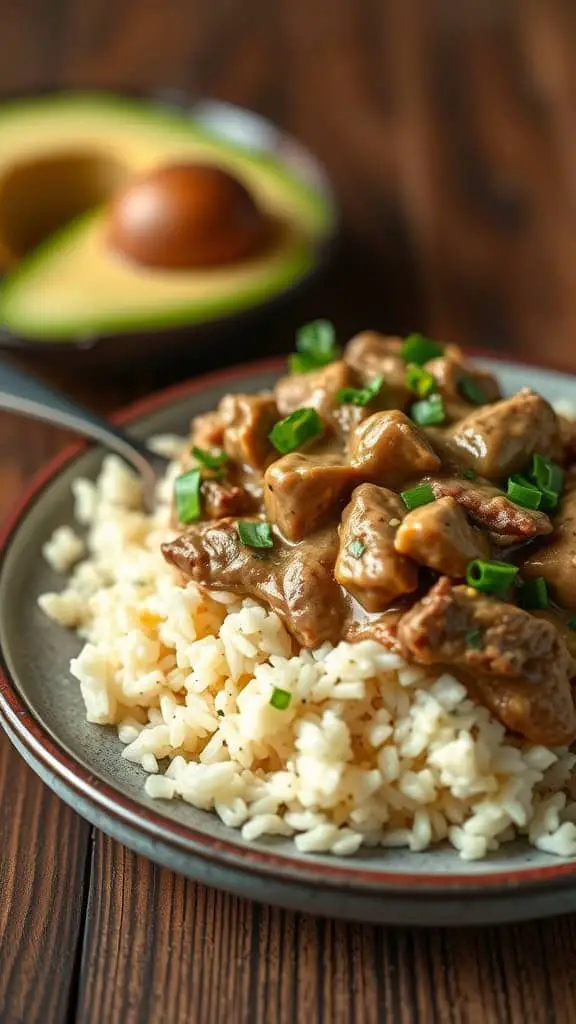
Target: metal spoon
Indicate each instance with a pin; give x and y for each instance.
(22, 393)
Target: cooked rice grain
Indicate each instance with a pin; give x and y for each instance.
(370, 751)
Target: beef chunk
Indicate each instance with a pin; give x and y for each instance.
(207, 430)
(452, 372)
(389, 449)
(314, 390)
(515, 664)
(297, 582)
(567, 427)
(368, 565)
(302, 492)
(248, 419)
(439, 535)
(556, 559)
(222, 498)
(498, 440)
(508, 523)
(372, 355)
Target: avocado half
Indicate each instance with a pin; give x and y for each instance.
(64, 156)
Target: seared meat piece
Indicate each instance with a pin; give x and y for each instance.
(499, 439)
(556, 560)
(372, 355)
(207, 430)
(348, 417)
(221, 498)
(508, 523)
(381, 628)
(368, 565)
(314, 390)
(567, 427)
(248, 419)
(297, 582)
(516, 665)
(389, 449)
(452, 373)
(439, 535)
(302, 492)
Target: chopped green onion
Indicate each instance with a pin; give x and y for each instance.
(422, 494)
(429, 411)
(416, 348)
(360, 396)
(469, 388)
(316, 344)
(215, 461)
(490, 577)
(187, 496)
(280, 699)
(474, 639)
(549, 500)
(527, 497)
(534, 594)
(469, 474)
(571, 624)
(291, 433)
(419, 381)
(356, 548)
(255, 534)
(547, 475)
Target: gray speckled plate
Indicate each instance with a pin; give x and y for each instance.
(41, 710)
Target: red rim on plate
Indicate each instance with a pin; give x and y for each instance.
(108, 798)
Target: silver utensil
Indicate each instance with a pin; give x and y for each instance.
(24, 394)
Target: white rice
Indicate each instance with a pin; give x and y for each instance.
(370, 751)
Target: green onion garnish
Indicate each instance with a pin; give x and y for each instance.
(187, 496)
(280, 699)
(316, 345)
(527, 497)
(255, 534)
(419, 381)
(429, 411)
(416, 348)
(469, 474)
(549, 500)
(291, 433)
(547, 475)
(360, 396)
(210, 460)
(571, 624)
(534, 594)
(470, 389)
(474, 639)
(490, 577)
(422, 494)
(356, 548)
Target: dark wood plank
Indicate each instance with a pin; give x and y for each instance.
(43, 856)
(179, 952)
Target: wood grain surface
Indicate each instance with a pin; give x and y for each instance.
(448, 130)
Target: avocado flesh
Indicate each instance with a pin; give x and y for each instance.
(73, 284)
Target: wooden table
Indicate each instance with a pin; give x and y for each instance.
(448, 128)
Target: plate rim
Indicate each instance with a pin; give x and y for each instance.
(110, 800)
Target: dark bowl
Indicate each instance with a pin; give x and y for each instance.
(211, 342)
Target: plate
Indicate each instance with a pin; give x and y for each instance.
(82, 763)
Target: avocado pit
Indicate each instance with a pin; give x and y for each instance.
(187, 216)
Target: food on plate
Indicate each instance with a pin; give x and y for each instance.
(117, 214)
(350, 619)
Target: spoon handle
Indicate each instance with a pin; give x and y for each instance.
(24, 394)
